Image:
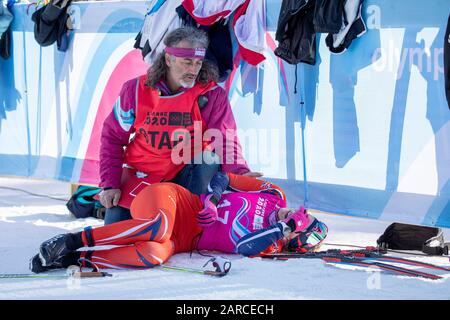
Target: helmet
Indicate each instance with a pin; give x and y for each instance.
(310, 238)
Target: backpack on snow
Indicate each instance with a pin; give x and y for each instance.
(400, 236)
(83, 205)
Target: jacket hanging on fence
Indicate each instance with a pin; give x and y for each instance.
(51, 24)
(248, 22)
(5, 44)
(328, 15)
(352, 27)
(165, 16)
(5, 18)
(295, 32)
(300, 20)
(159, 20)
(220, 50)
(447, 61)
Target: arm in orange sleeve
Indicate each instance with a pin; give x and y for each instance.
(251, 184)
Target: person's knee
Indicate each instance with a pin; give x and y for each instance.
(203, 172)
(150, 200)
(155, 253)
(116, 214)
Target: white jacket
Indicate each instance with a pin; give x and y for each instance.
(159, 20)
(249, 22)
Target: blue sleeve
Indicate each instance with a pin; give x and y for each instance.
(253, 243)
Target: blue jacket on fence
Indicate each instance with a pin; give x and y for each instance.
(5, 18)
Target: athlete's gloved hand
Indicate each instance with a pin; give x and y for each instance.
(208, 215)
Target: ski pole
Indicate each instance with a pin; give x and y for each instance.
(191, 270)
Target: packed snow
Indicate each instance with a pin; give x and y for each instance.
(26, 220)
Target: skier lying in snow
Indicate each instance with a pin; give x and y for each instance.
(250, 218)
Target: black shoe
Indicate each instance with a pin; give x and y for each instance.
(54, 249)
(37, 267)
(71, 259)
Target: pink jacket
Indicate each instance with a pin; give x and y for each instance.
(118, 127)
(239, 213)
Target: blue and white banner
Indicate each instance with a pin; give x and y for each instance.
(363, 133)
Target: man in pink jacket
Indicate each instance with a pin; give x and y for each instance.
(178, 74)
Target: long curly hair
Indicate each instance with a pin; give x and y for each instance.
(197, 38)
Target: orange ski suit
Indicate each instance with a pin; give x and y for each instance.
(164, 222)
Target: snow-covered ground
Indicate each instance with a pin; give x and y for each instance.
(27, 220)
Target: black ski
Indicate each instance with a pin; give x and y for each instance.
(370, 253)
(93, 274)
(386, 250)
(368, 257)
(375, 254)
(383, 266)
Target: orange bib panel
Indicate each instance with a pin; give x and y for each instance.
(161, 123)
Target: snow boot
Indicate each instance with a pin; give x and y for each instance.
(59, 246)
(37, 266)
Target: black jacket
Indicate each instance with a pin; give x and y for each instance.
(341, 41)
(328, 15)
(299, 21)
(295, 32)
(5, 44)
(51, 25)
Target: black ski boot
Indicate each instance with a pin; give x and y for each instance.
(70, 259)
(37, 267)
(59, 246)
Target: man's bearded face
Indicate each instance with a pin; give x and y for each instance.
(184, 71)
